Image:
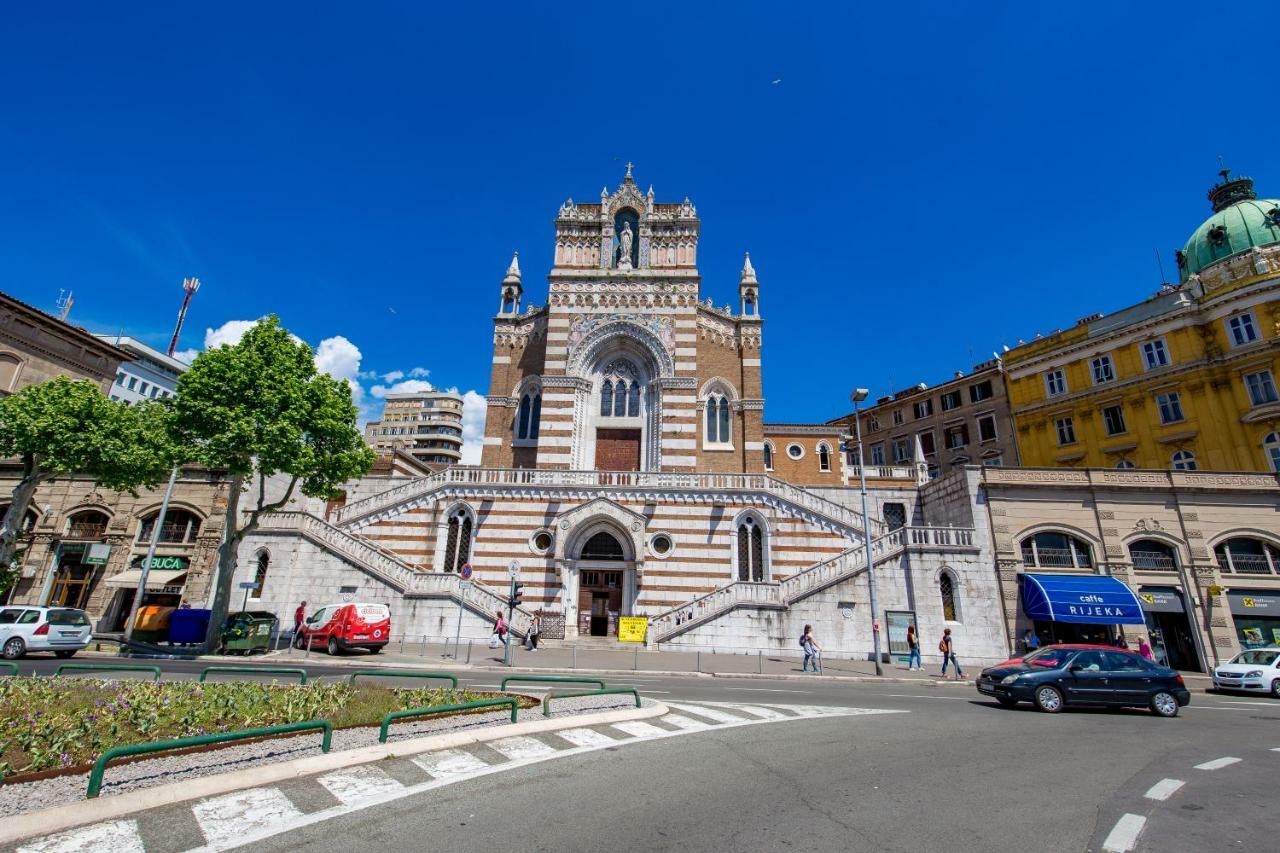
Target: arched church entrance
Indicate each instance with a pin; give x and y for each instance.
(602, 585)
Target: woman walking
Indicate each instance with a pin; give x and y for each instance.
(499, 637)
(914, 663)
(812, 651)
(949, 655)
(535, 628)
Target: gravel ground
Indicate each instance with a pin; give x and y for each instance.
(16, 799)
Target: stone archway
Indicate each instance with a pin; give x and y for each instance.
(600, 557)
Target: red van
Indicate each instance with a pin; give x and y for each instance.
(341, 627)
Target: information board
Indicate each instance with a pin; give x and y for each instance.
(632, 629)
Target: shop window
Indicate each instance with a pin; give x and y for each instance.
(179, 527)
(89, 524)
(1152, 555)
(947, 589)
(751, 550)
(1246, 555)
(260, 574)
(457, 549)
(1053, 550)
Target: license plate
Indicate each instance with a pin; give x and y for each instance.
(362, 636)
(69, 633)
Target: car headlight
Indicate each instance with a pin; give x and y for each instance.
(1010, 679)
(1253, 673)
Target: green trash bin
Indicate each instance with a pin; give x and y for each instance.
(248, 631)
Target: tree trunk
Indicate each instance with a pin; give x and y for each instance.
(20, 500)
(227, 551)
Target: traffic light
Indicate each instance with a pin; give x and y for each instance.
(517, 590)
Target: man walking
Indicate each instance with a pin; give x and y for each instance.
(948, 655)
(299, 616)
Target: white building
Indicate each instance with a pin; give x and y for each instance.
(149, 375)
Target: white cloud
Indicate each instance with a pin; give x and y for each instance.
(229, 332)
(408, 386)
(186, 355)
(338, 357)
(419, 373)
(474, 408)
(393, 376)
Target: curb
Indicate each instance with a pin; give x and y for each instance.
(59, 818)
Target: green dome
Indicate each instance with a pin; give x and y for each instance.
(1240, 222)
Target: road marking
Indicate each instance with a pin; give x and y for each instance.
(1124, 835)
(709, 713)
(689, 724)
(520, 747)
(1254, 704)
(766, 713)
(359, 783)
(922, 696)
(770, 690)
(118, 836)
(227, 819)
(1218, 763)
(449, 763)
(585, 737)
(1164, 789)
(639, 728)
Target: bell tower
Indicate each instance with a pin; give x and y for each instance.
(512, 289)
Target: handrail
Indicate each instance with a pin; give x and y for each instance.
(107, 667)
(269, 670)
(567, 694)
(403, 673)
(11, 666)
(443, 709)
(100, 766)
(556, 679)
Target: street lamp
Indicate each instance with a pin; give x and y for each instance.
(858, 395)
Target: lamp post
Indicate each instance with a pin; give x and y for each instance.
(857, 397)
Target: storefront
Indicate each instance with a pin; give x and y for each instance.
(78, 568)
(1257, 617)
(166, 581)
(1078, 608)
(1169, 627)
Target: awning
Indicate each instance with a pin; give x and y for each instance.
(1082, 599)
(157, 579)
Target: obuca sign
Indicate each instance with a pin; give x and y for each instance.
(164, 563)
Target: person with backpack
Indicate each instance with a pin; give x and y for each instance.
(812, 651)
(914, 663)
(531, 639)
(949, 655)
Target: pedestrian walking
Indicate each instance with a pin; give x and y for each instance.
(812, 651)
(531, 639)
(299, 616)
(499, 630)
(1030, 642)
(1144, 649)
(949, 655)
(914, 663)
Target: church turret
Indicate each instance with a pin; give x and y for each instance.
(749, 289)
(512, 289)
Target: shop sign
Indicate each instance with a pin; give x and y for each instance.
(1214, 590)
(1160, 600)
(97, 554)
(1244, 603)
(164, 563)
(631, 629)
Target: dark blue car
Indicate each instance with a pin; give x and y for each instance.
(1056, 677)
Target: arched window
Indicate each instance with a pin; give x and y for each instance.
(89, 524)
(10, 367)
(530, 414)
(947, 589)
(457, 548)
(603, 546)
(824, 458)
(717, 431)
(606, 399)
(1271, 449)
(620, 399)
(750, 550)
(179, 526)
(1152, 555)
(28, 521)
(1184, 460)
(633, 401)
(1053, 550)
(1247, 555)
(260, 574)
(535, 425)
(768, 456)
(1126, 465)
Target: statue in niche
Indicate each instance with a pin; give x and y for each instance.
(625, 239)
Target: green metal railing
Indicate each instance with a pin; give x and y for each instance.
(444, 709)
(568, 694)
(555, 679)
(265, 670)
(107, 667)
(11, 666)
(403, 673)
(100, 766)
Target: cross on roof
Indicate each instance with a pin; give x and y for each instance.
(628, 168)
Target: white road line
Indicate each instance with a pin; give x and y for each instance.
(1124, 835)
(519, 747)
(1164, 789)
(449, 763)
(1275, 749)
(1218, 763)
(689, 724)
(359, 783)
(709, 713)
(922, 696)
(639, 728)
(118, 836)
(1253, 704)
(229, 818)
(770, 690)
(585, 737)
(766, 713)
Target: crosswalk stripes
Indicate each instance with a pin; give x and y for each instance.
(520, 747)
(586, 737)
(640, 729)
(449, 762)
(683, 722)
(709, 712)
(359, 783)
(118, 836)
(230, 817)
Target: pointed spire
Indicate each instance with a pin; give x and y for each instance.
(513, 271)
(748, 272)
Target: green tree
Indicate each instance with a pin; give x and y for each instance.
(67, 426)
(259, 409)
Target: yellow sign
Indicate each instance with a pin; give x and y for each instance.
(631, 629)
(1215, 590)
(1247, 601)
(1147, 597)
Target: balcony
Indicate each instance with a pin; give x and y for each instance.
(1152, 561)
(1055, 558)
(1246, 564)
(86, 530)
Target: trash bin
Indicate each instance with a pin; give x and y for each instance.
(187, 625)
(248, 632)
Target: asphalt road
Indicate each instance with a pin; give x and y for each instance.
(957, 773)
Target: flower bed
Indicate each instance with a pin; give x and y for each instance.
(47, 724)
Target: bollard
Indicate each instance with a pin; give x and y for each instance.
(635, 660)
(310, 640)
(699, 660)
(402, 643)
(423, 652)
(468, 652)
(575, 656)
(760, 662)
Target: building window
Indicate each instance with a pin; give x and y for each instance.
(987, 428)
(795, 451)
(980, 391)
(750, 550)
(89, 524)
(1126, 465)
(1247, 556)
(926, 442)
(947, 589)
(133, 382)
(661, 544)
(951, 400)
(120, 378)
(1113, 420)
(1184, 460)
(1152, 555)
(457, 548)
(1170, 406)
(768, 456)
(877, 454)
(956, 436)
(1261, 387)
(1055, 382)
(1103, 369)
(1155, 354)
(897, 417)
(996, 461)
(260, 574)
(895, 515)
(1052, 550)
(541, 541)
(873, 423)
(1066, 430)
(718, 420)
(530, 415)
(179, 527)
(901, 451)
(1242, 330)
(824, 458)
(1271, 450)
(923, 409)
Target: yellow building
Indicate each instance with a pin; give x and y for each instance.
(1184, 380)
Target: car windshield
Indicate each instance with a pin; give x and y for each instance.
(1050, 658)
(68, 617)
(1257, 657)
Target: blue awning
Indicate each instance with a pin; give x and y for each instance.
(1083, 599)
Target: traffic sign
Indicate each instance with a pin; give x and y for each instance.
(248, 584)
(465, 584)
(514, 568)
(465, 571)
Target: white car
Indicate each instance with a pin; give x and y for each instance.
(1255, 670)
(61, 630)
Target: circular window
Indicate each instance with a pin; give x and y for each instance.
(795, 451)
(541, 541)
(660, 544)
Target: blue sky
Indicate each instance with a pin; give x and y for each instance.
(926, 182)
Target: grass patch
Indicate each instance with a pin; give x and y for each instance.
(48, 723)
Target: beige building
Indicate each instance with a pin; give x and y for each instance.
(35, 347)
(426, 425)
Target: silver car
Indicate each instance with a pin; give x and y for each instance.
(61, 630)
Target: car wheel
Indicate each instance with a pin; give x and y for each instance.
(375, 649)
(66, 653)
(1049, 699)
(1164, 705)
(333, 648)
(1007, 701)
(13, 649)
(1275, 688)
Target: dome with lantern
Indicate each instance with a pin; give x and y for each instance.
(1241, 221)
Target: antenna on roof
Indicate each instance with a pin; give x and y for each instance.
(190, 285)
(65, 300)
(1160, 262)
